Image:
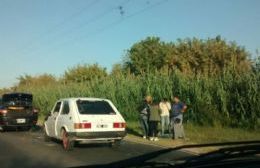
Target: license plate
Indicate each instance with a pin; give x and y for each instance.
(102, 126)
(20, 120)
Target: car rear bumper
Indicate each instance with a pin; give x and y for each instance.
(12, 122)
(95, 136)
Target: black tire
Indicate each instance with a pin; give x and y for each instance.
(67, 143)
(46, 137)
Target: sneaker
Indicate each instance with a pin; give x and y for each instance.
(156, 139)
(151, 138)
(144, 137)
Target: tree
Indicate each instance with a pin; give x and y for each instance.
(84, 73)
(146, 56)
(44, 79)
(209, 57)
(117, 70)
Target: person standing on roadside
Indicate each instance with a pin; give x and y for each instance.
(165, 108)
(153, 122)
(177, 110)
(144, 116)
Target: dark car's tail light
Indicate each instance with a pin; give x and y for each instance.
(3, 111)
(82, 125)
(119, 125)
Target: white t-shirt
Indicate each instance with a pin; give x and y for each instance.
(165, 108)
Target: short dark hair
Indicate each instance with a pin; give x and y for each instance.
(176, 96)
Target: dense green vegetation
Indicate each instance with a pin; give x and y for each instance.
(216, 79)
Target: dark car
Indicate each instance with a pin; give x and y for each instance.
(16, 111)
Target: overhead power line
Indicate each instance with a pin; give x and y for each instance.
(124, 17)
(79, 26)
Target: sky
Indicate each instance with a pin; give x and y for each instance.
(50, 36)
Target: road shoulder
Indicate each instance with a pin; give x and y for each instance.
(170, 143)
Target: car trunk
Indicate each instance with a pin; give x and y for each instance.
(98, 116)
(19, 112)
(19, 108)
(100, 123)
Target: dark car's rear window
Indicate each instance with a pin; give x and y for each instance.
(17, 99)
(94, 107)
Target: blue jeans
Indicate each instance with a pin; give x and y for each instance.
(144, 124)
(165, 123)
(177, 127)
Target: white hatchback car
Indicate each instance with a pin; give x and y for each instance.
(85, 120)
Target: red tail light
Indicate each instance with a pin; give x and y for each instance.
(119, 125)
(3, 111)
(82, 125)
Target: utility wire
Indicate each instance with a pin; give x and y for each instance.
(117, 22)
(110, 25)
(88, 22)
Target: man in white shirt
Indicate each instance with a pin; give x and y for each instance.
(165, 108)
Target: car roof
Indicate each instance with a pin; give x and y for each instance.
(83, 98)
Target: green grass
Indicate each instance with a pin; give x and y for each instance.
(208, 134)
(204, 134)
(227, 101)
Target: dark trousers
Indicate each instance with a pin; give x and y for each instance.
(153, 128)
(144, 124)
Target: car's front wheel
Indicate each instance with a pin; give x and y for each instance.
(67, 143)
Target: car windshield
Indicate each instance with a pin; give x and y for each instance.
(17, 99)
(94, 107)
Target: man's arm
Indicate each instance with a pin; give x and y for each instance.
(184, 108)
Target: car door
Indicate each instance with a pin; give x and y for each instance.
(53, 118)
(64, 119)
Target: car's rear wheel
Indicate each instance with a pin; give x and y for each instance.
(67, 143)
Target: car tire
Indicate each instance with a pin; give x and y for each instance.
(46, 137)
(67, 143)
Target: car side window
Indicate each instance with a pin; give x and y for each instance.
(57, 108)
(65, 108)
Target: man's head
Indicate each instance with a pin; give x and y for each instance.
(148, 99)
(176, 99)
(165, 99)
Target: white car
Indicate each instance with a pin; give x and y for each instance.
(84, 120)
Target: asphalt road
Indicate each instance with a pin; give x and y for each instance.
(28, 149)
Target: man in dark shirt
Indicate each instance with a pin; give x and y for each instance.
(177, 110)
